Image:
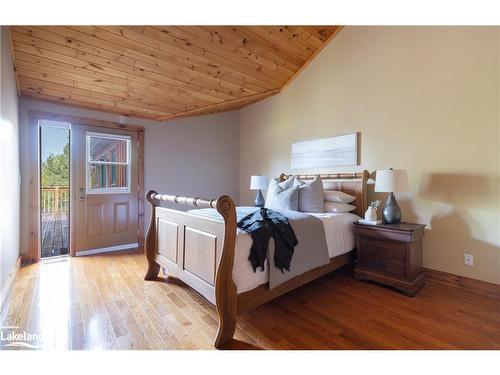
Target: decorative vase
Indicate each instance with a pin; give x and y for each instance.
(371, 214)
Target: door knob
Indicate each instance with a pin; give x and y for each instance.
(82, 194)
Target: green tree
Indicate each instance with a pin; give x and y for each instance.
(55, 170)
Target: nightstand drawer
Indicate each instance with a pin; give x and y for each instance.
(385, 249)
(385, 265)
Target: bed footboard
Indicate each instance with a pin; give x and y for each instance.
(197, 250)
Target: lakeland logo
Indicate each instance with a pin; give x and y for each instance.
(11, 337)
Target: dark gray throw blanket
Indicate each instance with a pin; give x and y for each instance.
(263, 225)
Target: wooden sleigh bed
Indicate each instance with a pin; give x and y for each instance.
(200, 250)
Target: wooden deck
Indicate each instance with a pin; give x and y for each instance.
(55, 234)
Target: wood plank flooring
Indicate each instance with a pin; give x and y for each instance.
(102, 302)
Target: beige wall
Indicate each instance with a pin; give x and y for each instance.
(423, 98)
(196, 156)
(9, 164)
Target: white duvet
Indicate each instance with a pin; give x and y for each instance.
(339, 233)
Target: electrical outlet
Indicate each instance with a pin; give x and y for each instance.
(469, 259)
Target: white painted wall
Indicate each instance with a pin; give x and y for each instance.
(196, 156)
(9, 163)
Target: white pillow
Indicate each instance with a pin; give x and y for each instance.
(287, 184)
(311, 197)
(338, 196)
(282, 196)
(338, 207)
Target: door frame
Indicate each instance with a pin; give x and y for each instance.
(34, 116)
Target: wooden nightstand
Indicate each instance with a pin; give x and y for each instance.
(391, 254)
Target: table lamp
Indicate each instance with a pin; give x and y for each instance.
(258, 183)
(391, 181)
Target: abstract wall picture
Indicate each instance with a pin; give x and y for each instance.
(326, 152)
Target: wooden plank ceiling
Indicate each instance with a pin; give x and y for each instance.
(162, 72)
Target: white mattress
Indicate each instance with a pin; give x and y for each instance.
(339, 233)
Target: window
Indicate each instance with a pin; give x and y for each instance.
(108, 163)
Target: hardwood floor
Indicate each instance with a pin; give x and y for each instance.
(102, 302)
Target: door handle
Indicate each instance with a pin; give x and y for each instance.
(82, 194)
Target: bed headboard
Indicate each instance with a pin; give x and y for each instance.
(350, 183)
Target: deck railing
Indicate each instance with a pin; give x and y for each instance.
(54, 199)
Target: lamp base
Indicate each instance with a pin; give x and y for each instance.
(259, 199)
(391, 213)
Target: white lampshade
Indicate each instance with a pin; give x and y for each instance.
(392, 180)
(258, 182)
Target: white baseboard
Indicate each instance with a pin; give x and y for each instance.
(107, 249)
(4, 293)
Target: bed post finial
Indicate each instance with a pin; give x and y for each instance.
(150, 244)
(225, 289)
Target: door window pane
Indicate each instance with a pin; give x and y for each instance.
(108, 163)
(108, 149)
(54, 188)
(106, 176)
